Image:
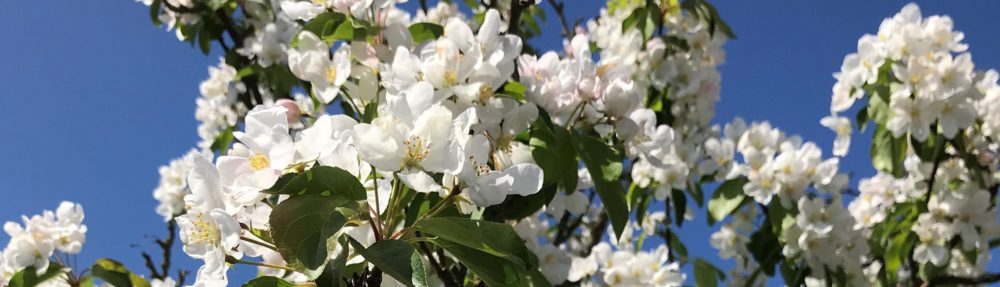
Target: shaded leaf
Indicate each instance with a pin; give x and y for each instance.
(114, 273)
(726, 199)
(303, 227)
(605, 166)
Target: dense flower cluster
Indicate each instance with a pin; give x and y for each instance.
(34, 242)
(918, 69)
(333, 132)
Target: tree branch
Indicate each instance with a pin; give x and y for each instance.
(514, 25)
(567, 32)
(423, 6)
(946, 280)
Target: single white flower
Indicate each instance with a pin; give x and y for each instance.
(311, 61)
(841, 126)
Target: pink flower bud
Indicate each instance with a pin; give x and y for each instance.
(292, 109)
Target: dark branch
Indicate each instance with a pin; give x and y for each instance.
(949, 280)
(514, 27)
(567, 32)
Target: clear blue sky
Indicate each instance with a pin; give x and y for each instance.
(95, 99)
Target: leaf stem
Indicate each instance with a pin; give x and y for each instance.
(259, 242)
(232, 260)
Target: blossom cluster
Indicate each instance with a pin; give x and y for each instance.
(929, 78)
(919, 70)
(35, 241)
(450, 111)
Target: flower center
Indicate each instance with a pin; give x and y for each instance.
(843, 130)
(259, 162)
(485, 93)
(204, 232)
(331, 73)
(480, 169)
(416, 151)
(450, 78)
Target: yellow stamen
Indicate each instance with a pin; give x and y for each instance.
(259, 161)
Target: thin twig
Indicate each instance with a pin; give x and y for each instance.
(423, 6)
(558, 7)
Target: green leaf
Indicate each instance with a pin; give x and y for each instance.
(344, 31)
(371, 112)
(878, 103)
(223, 140)
(114, 273)
(493, 238)
(336, 269)
(781, 219)
(515, 89)
(420, 274)
(322, 26)
(268, 281)
(205, 38)
(726, 199)
(215, 4)
(897, 254)
(425, 31)
(553, 152)
(677, 246)
(636, 18)
(395, 258)
(303, 227)
(605, 166)
(321, 180)
(29, 277)
(861, 119)
(154, 12)
(888, 152)
(706, 274)
(518, 206)
(928, 149)
(765, 248)
(493, 270)
(680, 206)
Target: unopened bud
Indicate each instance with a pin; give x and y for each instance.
(291, 109)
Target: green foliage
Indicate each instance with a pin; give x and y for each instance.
(29, 277)
(553, 152)
(765, 248)
(888, 152)
(707, 12)
(303, 229)
(518, 206)
(680, 206)
(321, 180)
(515, 89)
(223, 140)
(268, 281)
(726, 199)
(323, 26)
(706, 274)
(422, 32)
(605, 166)
(493, 270)
(114, 273)
(396, 258)
(677, 246)
(496, 239)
